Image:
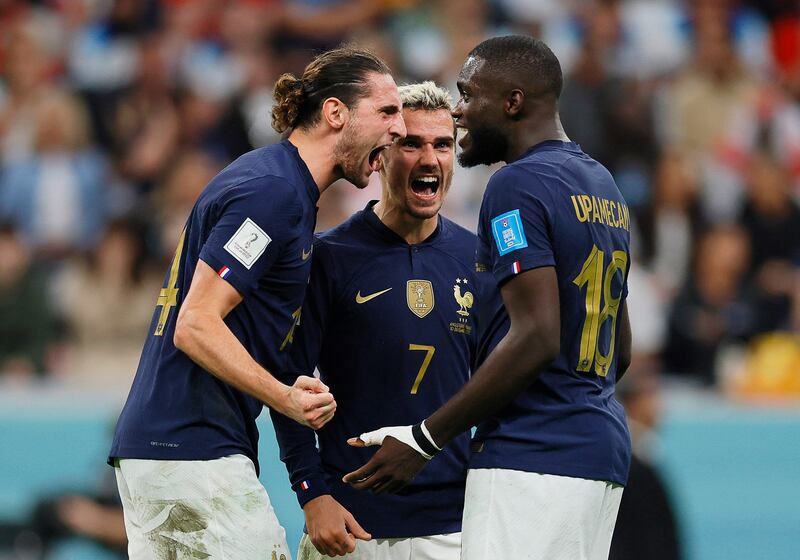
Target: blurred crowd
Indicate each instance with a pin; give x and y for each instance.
(114, 114)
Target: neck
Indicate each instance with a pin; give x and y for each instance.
(533, 132)
(317, 148)
(412, 230)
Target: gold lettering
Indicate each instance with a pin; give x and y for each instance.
(596, 217)
(627, 217)
(604, 210)
(612, 214)
(581, 218)
(586, 202)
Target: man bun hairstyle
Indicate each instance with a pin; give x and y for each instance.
(341, 73)
(523, 58)
(288, 96)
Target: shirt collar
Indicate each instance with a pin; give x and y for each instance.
(372, 219)
(308, 180)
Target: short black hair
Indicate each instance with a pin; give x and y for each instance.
(522, 58)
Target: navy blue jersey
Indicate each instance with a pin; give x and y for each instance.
(254, 225)
(395, 331)
(556, 206)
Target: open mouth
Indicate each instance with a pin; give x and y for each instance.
(373, 156)
(425, 187)
(463, 133)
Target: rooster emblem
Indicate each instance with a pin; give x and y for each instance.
(465, 301)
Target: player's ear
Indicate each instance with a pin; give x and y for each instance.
(379, 161)
(513, 103)
(335, 113)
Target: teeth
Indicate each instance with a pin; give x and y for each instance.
(427, 179)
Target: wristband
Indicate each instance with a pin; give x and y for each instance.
(423, 439)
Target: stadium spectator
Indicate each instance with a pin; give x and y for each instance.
(142, 123)
(106, 300)
(58, 195)
(700, 105)
(771, 219)
(26, 72)
(172, 200)
(714, 307)
(27, 318)
(669, 224)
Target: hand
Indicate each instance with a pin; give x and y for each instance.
(390, 469)
(332, 529)
(87, 518)
(309, 402)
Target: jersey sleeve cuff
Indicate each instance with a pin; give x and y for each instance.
(227, 273)
(307, 490)
(509, 267)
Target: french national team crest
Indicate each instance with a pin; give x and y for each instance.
(419, 296)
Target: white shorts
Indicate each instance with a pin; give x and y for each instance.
(520, 515)
(198, 509)
(434, 547)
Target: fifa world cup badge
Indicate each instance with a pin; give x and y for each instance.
(419, 297)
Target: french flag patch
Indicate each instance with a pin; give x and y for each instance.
(223, 272)
(304, 485)
(516, 268)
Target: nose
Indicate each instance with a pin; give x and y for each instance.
(428, 156)
(398, 127)
(456, 112)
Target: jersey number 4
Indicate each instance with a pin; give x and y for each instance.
(598, 281)
(168, 296)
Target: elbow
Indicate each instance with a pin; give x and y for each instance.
(624, 362)
(540, 347)
(184, 331)
(550, 348)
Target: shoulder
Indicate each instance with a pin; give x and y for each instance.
(457, 234)
(340, 237)
(342, 245)
(519, 183)
(458, 243)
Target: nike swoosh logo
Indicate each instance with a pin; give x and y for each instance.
(364, 299)
(306, 255)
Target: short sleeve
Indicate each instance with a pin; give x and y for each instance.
(255, 221)
(516, 224)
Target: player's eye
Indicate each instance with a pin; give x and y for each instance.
(444, 145)
(410, 144)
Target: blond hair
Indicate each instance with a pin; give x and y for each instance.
(425, 95)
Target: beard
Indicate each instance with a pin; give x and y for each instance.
(487, 146)
(348, 155)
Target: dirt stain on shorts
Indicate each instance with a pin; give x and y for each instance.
(180, 535)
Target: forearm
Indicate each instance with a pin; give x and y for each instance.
(511, 367)
(208, 341)
(112, 532)
(298, 452)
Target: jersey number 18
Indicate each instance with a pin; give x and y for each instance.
(598, 279)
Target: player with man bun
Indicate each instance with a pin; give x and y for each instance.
(185, 446)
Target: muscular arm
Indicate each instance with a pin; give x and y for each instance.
(532, 342)
(202, 334)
